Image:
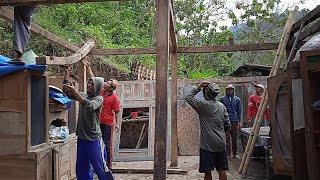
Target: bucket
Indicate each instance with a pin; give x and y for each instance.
(134, 114)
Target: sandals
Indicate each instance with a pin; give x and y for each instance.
(17, 62)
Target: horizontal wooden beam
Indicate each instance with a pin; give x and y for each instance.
(205, 49)
(80, 54)
(307, 19)
(35, 2)
(122, 51)
(147, 171)
(8, 15)
(229, 48)
(226, 80)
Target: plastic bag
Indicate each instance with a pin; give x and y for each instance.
(61, 133)
(312, 44)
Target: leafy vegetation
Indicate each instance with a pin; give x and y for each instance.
(130, 24)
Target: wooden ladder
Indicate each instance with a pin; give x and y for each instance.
(263, 106)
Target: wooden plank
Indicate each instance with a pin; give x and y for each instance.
(204, 49)
(147, 171)
(226, 80)
(73, 155)
(80, 54)
(309, 95)
(308, 18)
(229, 48)
(174, 111)
(217, 80)
(161, 115)
(17, 167)
(8, 15)
(123, 51)
(35, 2)
(173, 28)
(83, 78)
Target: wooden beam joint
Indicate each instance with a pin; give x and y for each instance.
(80, 54)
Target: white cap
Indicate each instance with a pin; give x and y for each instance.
(259, 85)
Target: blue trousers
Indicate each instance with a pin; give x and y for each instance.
(106, 136)
(90, 153)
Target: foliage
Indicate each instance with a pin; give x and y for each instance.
(130, 24)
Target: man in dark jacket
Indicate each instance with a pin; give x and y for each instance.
(233, 106)
(89, 151)
(213, 123)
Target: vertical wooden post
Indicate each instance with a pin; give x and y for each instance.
(174, 116)
(162, 49)
(83, 78)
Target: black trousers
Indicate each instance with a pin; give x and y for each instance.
(21, 27)
(233, 135)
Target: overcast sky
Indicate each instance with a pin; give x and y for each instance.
(309, 4)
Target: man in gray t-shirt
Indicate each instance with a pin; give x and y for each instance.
(214, 121)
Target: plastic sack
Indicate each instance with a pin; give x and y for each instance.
(312, 44)
(63, 133)
(29, 57)
(60, 133)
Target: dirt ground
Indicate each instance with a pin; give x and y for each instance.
(257, 170)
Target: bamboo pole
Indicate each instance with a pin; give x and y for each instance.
(274, 70)
(250, 138)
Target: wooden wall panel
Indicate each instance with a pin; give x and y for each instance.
(17, 168)
(64, 159)
(44, 165)
(73, 156)
(14, 86)
(280, 117)
(36, 165)
(13, 135)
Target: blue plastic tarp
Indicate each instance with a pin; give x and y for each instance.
(56, 94)
(6, 68)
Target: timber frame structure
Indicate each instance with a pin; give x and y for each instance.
(166, 32)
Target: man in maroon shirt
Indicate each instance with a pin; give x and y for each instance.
(110, 111)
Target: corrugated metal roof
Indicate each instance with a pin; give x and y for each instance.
(255, 69)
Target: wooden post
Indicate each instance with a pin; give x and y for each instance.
(174, 110)
(161, 110)
(83, 78)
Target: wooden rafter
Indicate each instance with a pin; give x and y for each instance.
(311, 16)
(80, 54)
(204, 49)
(306, 20)
(173, 28)
(34, 2)
(123, 51)
(8, 15)
(315, 28)
(229, 48)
